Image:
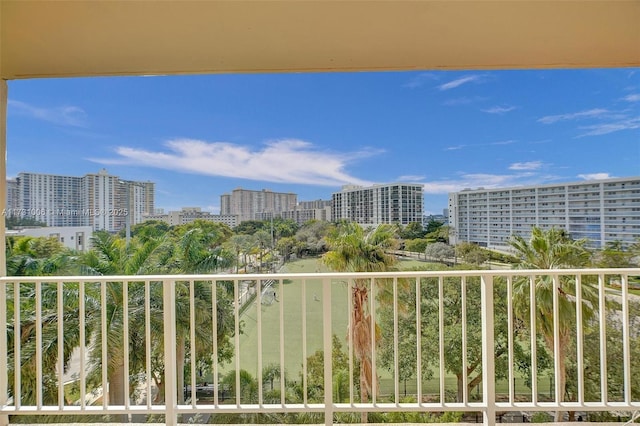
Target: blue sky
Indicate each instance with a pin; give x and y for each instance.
(198, 137)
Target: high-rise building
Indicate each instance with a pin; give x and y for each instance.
(12, 197)
(256, 205)
(100, 200)
(601, 211)
(399, 203)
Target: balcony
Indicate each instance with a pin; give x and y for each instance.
(145, 328)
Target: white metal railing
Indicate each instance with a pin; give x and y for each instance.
(130, 338)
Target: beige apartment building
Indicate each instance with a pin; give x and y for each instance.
(256, 205)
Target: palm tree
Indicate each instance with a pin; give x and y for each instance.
(198, 251)
(111, 256)
(553, 249)
(30, 256)
(352, 249)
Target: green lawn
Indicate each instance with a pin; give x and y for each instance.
(291, 302)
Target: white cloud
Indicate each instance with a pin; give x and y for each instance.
(507, 142)
(410, 178)
(477, 145)
(592, 113)
(605, 128)
(528, 165)
(420, 79)
(459, 82)
(463, 101)
(285, 161)
(64, 115)
(595, 176)
(484, 180)
(498, 110)
(632, 98)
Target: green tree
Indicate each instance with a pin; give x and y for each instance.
(614, 255)
(315, 374)
(417, 245)
(353, 249)
(441, 234)
(34, 256)
(412, 231)
(199, 251)
(286, 246)
(439, 251)
(433, 226)
(312, 236)
(263, 240)
(250, 227)
(553, 249)
(148, 229)
(31, 256)
(111, 256)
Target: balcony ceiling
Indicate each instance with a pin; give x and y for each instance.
(91, 38)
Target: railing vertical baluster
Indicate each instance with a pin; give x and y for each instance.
(488, 347)
(441, 337)
(60, 338)
(534, 339)
(303, 296)
(463, 321)
(259, 336)
(602, 310)
(82, 324)
(125, 342)
(192, 338)
(372, 325)
(580, 339)
(103, 328)
(327, 344)
(17, 331)
(418, 341)
(512, 390)
(39, 344)
(236, 314)
(214, 330)
(169, 318)
(147, 338)
(350, 335)
(555, 281)
(281, 305)
(396, 382)
(626, 349)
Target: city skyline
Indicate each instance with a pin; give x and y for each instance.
(198, 137)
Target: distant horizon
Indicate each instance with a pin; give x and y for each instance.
(197, 137)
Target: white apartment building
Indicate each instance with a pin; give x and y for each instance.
(100, 200)
(72, 237)
(190, 214)
(601, 211)
(256, 205)
(400, 203)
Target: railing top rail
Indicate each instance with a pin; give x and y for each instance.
(331, 275)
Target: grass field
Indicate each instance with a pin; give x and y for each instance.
(292, 297)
